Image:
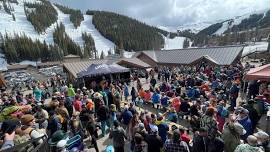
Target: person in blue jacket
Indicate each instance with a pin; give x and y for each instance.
(244, 120)
(156, 99)
(126, 117)
(126, 92)
(164, 100)
(163, 128)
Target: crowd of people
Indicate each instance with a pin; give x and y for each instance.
(189, 108)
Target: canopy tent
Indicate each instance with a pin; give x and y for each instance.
(102, 69)
(260, 73)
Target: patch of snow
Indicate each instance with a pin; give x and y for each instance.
(30, 1)
(27, 62)
(195, 27)
(167, 28)
(175, 43)
(3, 62)
(258, 46)
(128, 54)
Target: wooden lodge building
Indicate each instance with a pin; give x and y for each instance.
(225, 55)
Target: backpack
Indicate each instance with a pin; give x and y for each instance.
(25, 137)
(224, 113)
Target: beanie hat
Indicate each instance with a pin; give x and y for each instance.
(25, 119)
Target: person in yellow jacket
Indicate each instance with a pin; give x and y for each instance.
(71, 92)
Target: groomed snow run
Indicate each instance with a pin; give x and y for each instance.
(175, 43)
(224, 27)
(101, 43)
(21, 25)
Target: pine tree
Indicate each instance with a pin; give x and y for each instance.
(118, 28)
(13, 17)
(186, 43)
(110, 52)
(76, 16)
(89, 44)
(18, 48)
(10, 52)
(43, 16)
(86, 53)
(102, 55)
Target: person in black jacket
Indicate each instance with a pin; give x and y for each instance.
(103, 115)
(184, 108)
(153, 140)
(200, 141)
(92, 129)
(134, 94)
(153, 82)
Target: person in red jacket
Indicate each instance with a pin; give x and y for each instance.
(184, 136)
(77, 103)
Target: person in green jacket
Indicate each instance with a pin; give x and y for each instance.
(71, 92)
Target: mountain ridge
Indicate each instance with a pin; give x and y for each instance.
(199, 26)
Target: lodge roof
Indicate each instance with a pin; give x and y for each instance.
(223, 55)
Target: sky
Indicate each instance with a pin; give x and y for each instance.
(173, 13)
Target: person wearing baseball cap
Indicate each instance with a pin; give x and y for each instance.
(163, 128)
(244, 120)
(27, 128)
(153, 140)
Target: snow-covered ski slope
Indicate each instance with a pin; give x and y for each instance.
(237, 20)
(101, 43)
(175, 43)
(230, 23)
(22, 26)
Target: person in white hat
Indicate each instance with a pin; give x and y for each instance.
(245, 121)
